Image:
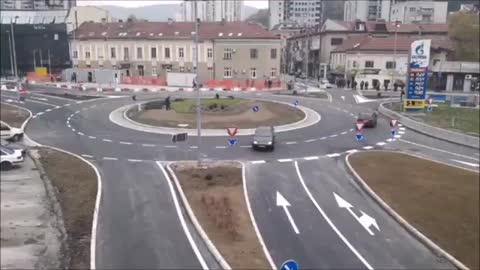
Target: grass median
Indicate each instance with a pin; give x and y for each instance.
(12, 115)
(216, 196)
(76, 186)
(440, 201)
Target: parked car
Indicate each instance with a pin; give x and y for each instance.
(264, 138)
(9, 157)
(325, 84)
(10, 133)
(368, 120)
(15, 146)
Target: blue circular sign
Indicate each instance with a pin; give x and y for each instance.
(295, 103)
(255, 108)
(289, 265)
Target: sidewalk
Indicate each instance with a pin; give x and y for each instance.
(29, 235)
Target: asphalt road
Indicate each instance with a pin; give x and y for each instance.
(138, 224)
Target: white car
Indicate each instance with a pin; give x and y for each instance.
(325, 84)
(10, 133)
(10, 157)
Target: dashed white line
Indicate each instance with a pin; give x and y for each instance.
(135, 160)
(66, 105)
(402, 128)
(170, 146)
(87, 156)
(343, 133)
(34, 116)
(193, 147)
(398, 136)
(148, 145)
(57, 107)
(77, 112)
(390, 140)
(74, 130)
(220, 147)
(350, 129)
(92, 137)
(291, 143)
(110, 158)
(68, 125)
(400, 125)
(334, 135)
(40, 113)
(333, 155)
(381, 143)
(48, 110)
(106, 140)
(311, 158)
(367, 147)
(323, 138)
(351, 151)
(311, 140)
(401, 132)
(242, 146)
(285, 160)
(258, 162)
(127, 143)
(79, 102)
(80, 133)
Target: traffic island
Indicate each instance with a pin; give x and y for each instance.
(215, 195)
(74, 184)
(12, 115)
(440, 201)
(217, 113)
(312, 94)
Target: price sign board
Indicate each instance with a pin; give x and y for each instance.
(417, 75)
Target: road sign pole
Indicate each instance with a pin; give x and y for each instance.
(199, 123)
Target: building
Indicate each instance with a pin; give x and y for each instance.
(227, 50)
(333, 33)
(366, 10)
(384, 60)
(285, 31)
(212, 10)
(303, 12)
(419, 12)
(36, 4)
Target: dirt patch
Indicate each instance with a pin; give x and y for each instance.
(76, 184)
(13, 115)
(241, 115)
(216, 196)
(440, 201)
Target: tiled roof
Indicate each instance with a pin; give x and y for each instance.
(365, 43)
(172, 30)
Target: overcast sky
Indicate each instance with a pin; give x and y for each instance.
(138, 3)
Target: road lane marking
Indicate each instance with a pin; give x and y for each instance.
(193, 147)
(311, 140)
(367, 147)
(170, 146)
(311, 158)
(91, 137)
(351, 151)
(390, 140)
(258, 162)
(439, 150)
(68, 125)
(181, 218)
(135, 160)
(110, 158)
(347, 243)
(127, 143)
(148, 145)
(350, 129)
(48, 110)
(244, 146)
(285, 160)
(381, 143)
(400, 125)
(333, 155)
(343, 133)
(79, 102)
(77, 112)
(68, 104)
(402, 128)
(106, 140)
(334, 135)
(291, 143)
(37, 98)
(397, 136)
(87, 156)
(40, 113)
(57, 107)
(220, 147)
(74, 130)
(80, 133)
(323, 138)
(34, 116)
(401, 132)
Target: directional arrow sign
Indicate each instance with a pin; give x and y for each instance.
(359, 137)
(232, 142)
(289, 265)
(429, 109)
(282, 202)
(365, 220)
(392, 133)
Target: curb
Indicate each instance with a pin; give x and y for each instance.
(211, 247)
(417, 234)
(439, 133)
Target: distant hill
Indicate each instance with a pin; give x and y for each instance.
(158, 13)
(261, 17)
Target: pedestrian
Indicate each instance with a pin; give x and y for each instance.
(269, 83)
(395, 86)
(134, 98)
(385, 86)
(354, 85)
(167, 103)
(217, 96)
(362, 83)
(366, 85)
(348, 83)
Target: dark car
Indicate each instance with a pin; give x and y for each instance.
(368, 120)
(264, 138)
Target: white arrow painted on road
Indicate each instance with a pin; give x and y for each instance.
(476, 165)
(343, 98)
(281, 201)
(365, 220)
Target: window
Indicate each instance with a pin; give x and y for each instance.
(113, 53)
(273, 53)
(412, 9)
(436, 61)
(253, 53)
(227, 72)
(139, 53)
(253, 73)
(125, 54)
(227, 54)
(273, 73)
(87, 55)
(390, 65)
(210, 53)
(181, 53)
(167, 53)
(141, 70)
(154, 71)
(181, 69)
(153, 53)
(75, 54)
(100, 52)
(368, 64)
(336, 41)
(354, 64)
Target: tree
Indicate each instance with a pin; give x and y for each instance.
(132, 18)
(463, 29)
(260, 17)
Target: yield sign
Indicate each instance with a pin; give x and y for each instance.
(232, 131)
(393, 122)
(359, 126)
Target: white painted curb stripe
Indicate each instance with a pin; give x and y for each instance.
(311, 158)
(333, 155)
(258, 162)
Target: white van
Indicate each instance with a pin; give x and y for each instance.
(10, 133)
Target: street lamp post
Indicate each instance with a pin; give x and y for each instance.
(13, 45)
(199, 123)
(307, 52)
(11, 54)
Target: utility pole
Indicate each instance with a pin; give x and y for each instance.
(11, 54)
(13, 45)
(307, 49)
(49, 63)
(197, 82)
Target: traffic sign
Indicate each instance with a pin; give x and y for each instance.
(393, 122)
(180, 137)
(359, 126)
(359, 137)
(429, 109)
(232, 142)
(430, 101)
(393, 133)
(255, 108)
(295, 103)
(232, 131)
(289, 265)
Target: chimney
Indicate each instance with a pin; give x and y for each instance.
(170, 21)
